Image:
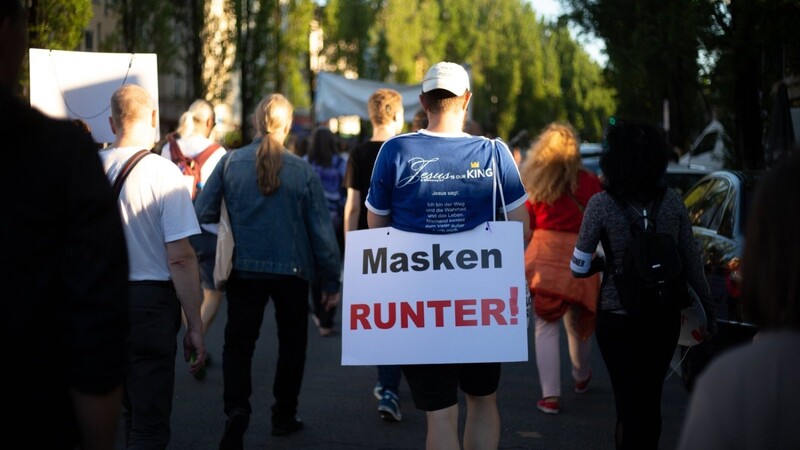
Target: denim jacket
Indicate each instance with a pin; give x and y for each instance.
(288, 232)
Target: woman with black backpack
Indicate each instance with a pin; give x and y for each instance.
(637, 327)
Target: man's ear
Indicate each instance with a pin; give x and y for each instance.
(113, 127)
(467, 97)
(423, 103)
(153, 120)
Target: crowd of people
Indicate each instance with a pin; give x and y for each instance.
(107, 272)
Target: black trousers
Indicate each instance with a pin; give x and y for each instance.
(155, 316)
(637, 349)
(247, 299)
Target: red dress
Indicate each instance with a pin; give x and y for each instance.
(555, 230)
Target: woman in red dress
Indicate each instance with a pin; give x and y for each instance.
(558, 188)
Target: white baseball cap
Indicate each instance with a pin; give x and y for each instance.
(448, 76)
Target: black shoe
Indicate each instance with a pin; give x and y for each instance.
(235, 426)
(284, 429)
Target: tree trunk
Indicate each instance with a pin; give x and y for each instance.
(746, 73)
(197, 13)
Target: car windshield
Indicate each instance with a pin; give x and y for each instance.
(682, 181)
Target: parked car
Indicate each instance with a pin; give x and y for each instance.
(590, 149)
(718, 205)
(682, 178)
(709, 150)
(590, 156)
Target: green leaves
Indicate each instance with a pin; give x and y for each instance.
(58, 25)
(519, 78)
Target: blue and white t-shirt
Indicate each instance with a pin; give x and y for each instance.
(442, 183)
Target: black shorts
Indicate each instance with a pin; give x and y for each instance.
(435, 386)
(205, 245)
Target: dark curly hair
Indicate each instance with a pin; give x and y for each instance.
(634, 159)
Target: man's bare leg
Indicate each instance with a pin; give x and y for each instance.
(443, 429)
(482, 430)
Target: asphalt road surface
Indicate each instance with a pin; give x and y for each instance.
(340, 413)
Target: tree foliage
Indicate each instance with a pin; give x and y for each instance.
(57, 24)
(272, 51)
(654, 46)
(652, 51)
(218, 52)
(155, 26)
(525, 73)
(516, 69)
(755, 46)
(346, 24)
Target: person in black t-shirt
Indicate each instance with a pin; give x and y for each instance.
(386, 115)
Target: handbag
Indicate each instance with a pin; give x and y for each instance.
(693, 322)
(495, 190)
(223, 262)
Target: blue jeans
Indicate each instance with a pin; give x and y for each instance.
(247, 299)
(389, 378)
(155, 318)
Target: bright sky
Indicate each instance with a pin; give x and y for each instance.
(551, 9)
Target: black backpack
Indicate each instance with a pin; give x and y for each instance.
(652, 267)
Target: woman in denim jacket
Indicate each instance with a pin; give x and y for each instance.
(284, 238)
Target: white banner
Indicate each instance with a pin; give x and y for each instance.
(414, 298)
(340, 96)
(78, 85)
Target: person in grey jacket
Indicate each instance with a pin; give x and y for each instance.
(636, 345)
(283, 239)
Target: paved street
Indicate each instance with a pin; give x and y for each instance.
(340, 413)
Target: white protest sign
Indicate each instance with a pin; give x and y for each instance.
(414, 298)
(78, 85)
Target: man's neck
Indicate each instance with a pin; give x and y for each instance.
(135, 136)
(446, 122)
(131, 141)
(382, 133)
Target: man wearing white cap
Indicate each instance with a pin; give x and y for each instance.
(431, 166)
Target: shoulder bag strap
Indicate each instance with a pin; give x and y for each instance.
(605, 239)
(495, 157)
(175, 152)
(205, 154)
(126, 169)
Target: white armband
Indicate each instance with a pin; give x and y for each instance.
(580, 261)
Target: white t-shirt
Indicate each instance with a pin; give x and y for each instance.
(155, 208)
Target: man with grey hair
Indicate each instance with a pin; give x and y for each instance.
(158, 218)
